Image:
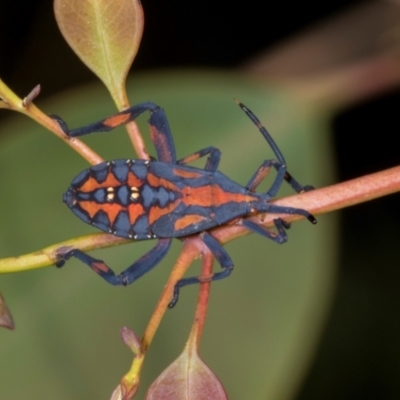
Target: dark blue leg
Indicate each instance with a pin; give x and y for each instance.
(159, 128)
(221, 256)
(280, 224)
(290, 210)
(131, 274)
(161, 136)
(263, 171)
(212, 161)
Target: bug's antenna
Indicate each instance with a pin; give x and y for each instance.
(263, 131)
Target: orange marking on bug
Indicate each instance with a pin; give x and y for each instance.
(92, 184)
(116, 120)
(156, 182)
(153, 180)
(157, 212)
(200, 196)
(222, 197)
(92, 208)
(134, 212)
(187, 220)
(213, 195)
(189, 159)
(133, 180)
(186, 174)
(99, 266)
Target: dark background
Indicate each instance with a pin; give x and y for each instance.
(359, 354)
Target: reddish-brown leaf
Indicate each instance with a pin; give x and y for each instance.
(131, 340)
(6, 319)
(187, 378)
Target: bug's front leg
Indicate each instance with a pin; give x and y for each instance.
(159, 128)
(128, 276)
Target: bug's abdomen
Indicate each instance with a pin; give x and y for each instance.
(142, 200)
(115, 198)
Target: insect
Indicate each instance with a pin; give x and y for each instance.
(165, 198)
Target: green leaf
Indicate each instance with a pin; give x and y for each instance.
(105, 35)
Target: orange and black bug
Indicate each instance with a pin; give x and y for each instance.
(163, 199)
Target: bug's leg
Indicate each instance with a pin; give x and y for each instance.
(161, 137)
(159, 128)
(131, 274)
(221, 256)
(279, 237)
(212, 161)
(290, 210)
(109, 123)
(263, 171)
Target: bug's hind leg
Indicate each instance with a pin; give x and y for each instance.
(263, 171)
(292, 211)
(159, 128)
(279, 237)
(212, 161)
(131, 274)
(221, 256)
(258, 177)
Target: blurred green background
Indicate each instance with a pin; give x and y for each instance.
(261, 336)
